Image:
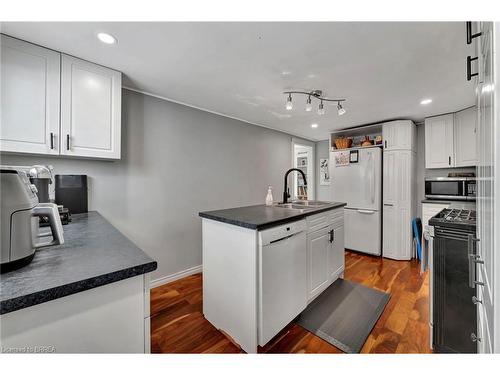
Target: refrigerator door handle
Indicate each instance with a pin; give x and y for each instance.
(370, 212)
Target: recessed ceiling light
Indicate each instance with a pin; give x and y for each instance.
(426, 101)
(106, 38)
(314, 126)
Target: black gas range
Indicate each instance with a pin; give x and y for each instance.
(453, 282)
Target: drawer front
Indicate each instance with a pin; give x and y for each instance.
(337, 217)
(318, 221)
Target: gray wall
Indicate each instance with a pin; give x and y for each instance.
(177, 161)
(323, 193)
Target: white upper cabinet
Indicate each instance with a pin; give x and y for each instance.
(450, 140)
(57, 104)
(439, 142)
(90, 109)
(30, 97)
(399, 135)
(465, 137)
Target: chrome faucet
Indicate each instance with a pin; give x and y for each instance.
(286, 191)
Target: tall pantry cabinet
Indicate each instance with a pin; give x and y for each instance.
(398, 188)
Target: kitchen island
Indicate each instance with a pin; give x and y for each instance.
(90, 294)
(262, 265)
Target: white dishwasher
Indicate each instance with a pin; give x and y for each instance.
(282, 282)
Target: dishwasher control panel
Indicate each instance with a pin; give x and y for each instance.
(277, 233)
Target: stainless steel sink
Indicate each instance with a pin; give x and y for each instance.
(302, 205)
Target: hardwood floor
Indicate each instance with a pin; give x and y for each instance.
(178, 325)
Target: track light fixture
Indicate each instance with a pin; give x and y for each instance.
(318, 94)
(289, 104)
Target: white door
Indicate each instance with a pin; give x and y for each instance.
(389, 229)
(359, 184)
(90, 109)
(488, 199)
(439, 142)
(336, 255)
(465, 137)
(30, 97)
(318, 247)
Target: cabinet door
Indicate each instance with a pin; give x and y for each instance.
(30, 97)
(389, 235)
(398, 135)
(318, 245)
(336, 254)
(90, 109)
(465, 137)
(439, 142)
(390, 178)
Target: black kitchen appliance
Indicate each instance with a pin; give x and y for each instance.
(71, 192)
(454, 255)
(451, 188)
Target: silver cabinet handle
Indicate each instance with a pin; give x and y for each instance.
(475, 300)
(473, 260)
(474, 338)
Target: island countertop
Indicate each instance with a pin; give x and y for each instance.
(94, 253)
(260, 217)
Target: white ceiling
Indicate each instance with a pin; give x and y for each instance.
(240, 69)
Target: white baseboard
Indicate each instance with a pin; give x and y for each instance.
(175, 276)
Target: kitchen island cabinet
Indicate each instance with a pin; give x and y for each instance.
(262, 265)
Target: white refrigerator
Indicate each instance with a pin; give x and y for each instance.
(356, 178)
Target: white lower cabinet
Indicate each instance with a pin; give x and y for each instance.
(325, 252)
(111, 318)
(318, 248)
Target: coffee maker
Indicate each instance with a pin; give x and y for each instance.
(19, 225)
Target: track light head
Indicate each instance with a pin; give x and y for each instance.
(289, 104)
(321, 108)
(340, 110)
(309, 104)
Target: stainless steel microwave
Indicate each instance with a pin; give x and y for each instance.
(453, 188)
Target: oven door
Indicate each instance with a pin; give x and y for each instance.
(442, 188)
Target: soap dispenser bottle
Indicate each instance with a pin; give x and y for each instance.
(269, 196)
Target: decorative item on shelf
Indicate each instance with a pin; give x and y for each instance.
(378, 140)
(317, 94)
(343, 143)
(367, 142)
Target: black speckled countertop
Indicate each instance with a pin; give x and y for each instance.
(94, 253)
(262, 217)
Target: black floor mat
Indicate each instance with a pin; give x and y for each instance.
(344, 314)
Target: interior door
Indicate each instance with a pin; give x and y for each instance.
(439, 142)
(488, 141)
(30, 97)
(90, 109)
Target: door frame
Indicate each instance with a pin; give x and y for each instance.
(311, 181)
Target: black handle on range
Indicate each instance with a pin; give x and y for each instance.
(51, 140)
(468, 30)
(469, 69)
